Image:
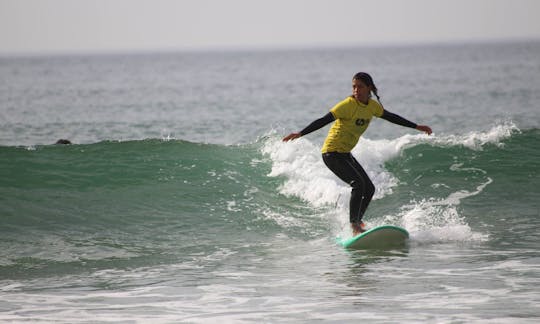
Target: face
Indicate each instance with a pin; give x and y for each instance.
(361, 91)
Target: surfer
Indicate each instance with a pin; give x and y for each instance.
(63, 141)
(351, 118)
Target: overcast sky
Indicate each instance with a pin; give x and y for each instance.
(35, 26)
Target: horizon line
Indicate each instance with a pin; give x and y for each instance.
(262, 48)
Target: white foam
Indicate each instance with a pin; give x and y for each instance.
(429, 220)
(437, 221)
(476, 140)
(309, 179)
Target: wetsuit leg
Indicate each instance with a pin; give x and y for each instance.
(345, 166)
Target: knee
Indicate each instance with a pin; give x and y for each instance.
(367, 188)
(370, 189)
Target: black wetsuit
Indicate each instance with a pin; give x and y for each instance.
(345, 166)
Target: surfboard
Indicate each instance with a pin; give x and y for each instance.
(385, 236)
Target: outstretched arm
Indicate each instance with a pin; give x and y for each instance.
(317, 124)
(398, 120)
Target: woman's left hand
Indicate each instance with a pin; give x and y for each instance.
(424, 128)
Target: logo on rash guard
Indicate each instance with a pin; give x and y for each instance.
(361, 122)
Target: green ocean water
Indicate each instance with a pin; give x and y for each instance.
(69, 212)
(180, 206)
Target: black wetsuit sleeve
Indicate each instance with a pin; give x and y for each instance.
(397, 119)
(318, 124)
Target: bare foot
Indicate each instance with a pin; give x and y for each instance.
(358, 228)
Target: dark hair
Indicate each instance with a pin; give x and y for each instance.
(367, 80)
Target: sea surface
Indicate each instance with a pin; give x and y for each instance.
(178, 203)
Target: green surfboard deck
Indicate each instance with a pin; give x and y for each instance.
(385, 236)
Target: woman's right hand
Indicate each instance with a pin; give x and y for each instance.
(291, 136)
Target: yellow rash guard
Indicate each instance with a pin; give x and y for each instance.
(351, 120)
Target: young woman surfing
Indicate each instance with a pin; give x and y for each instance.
(351, 118)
